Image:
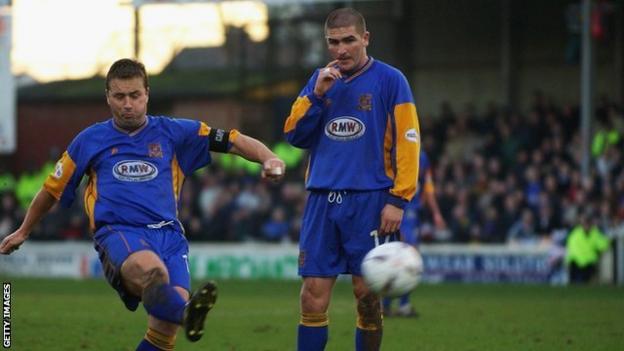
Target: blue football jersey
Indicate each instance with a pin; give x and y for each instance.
(362, 135)
(134, 178)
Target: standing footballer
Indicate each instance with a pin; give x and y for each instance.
(357, 118)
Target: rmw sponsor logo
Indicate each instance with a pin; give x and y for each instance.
(345, 128)
(135, 171)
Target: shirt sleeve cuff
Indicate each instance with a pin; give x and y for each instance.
(396, 201)
(315, 100)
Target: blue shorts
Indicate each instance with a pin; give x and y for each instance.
(336, 231)
(410, 225)
(115, 243)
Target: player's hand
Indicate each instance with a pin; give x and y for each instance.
(391, 217)
(326, 78)
(438, 221)
(273, 169)
(12, 242)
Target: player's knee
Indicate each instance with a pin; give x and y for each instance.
(360, 291)
(369, 312)
(313, 301)
(153, 282)
(144, 268)
(155, 276)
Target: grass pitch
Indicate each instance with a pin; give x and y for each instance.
(262, 316)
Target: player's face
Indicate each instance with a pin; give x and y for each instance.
(127, 99)
(347, 46)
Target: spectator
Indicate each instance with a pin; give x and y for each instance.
(276, 229)
(523, 231)
(585, 244)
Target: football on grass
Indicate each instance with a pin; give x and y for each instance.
(392, 269)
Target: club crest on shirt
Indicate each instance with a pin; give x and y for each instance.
(366, 102)
(155, 150)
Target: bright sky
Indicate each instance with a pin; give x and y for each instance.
(72, 39)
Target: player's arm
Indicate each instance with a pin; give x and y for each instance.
(254, 150)
(304, 122)
(59, 186)
(431, 201)
(41, 204)
(407, 149)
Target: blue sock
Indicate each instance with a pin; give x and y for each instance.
(360, 339)
(147, 346)
(311, 338)
(405, 300)
(164, 302)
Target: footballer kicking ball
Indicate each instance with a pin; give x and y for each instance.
(392, 269)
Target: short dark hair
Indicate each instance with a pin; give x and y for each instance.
(345, 17)
(126, 69)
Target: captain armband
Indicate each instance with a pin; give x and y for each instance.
(219, 140)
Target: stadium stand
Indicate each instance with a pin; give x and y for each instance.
(501, 175)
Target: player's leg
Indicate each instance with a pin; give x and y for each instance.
(361, 217)
(369, 328)
(409, 234)
(160, 334)
(314, 299)
(144, 274)
(320, 262)
(202, 300)
(407, 228)
(134, 269)
(174, 250)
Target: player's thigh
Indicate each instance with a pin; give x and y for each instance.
(361, 218)
(320, 253)
(316, 294)
(115, 246)
(175, 256)
(141, 269)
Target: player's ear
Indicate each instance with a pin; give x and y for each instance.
(366, 37)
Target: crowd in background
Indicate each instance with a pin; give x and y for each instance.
(501, 176)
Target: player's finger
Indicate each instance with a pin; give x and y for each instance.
(328, 72)
(332, 63)
(393, 228)
(383, 228)
(274, 167)
(4, 249)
